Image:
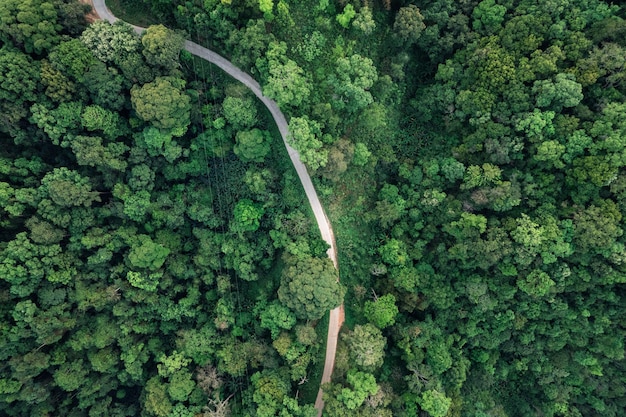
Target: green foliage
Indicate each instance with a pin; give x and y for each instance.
(111, 42)
(249, 44)
(18, 85)
(159, 142)
(354, 77)
(33, 25)
(393, 252)
(435, 403)
(309, 287)
(409, 24)
(144, 281)
(147, 254)
(286, 81)
(164, 104)
(536, 284)
(241, 113)
(70, 376)
(361, 154)
(58, 86)
(270, 389)
(19, 76)
(68, 188)
(90, 151)
(276, 317)
(366, 346)
(161, 47)
(57, 122)
(364, 21)
(247, 216)
(156, 401)
(486, 148)
(488, 16)
(348, 14)
(95, 117)
(563, 92)
(105, 86)
(363, 384)
(266, 7)
(305, 139)
(72, 58)
(180, 386)
(252, 145)
(382, 311)
(313, 46)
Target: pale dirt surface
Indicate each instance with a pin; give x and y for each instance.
(91, 16)
(336, 315)
(335, 321)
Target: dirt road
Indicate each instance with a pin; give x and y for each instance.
(336, 315)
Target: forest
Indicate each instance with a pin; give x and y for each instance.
(158, 256)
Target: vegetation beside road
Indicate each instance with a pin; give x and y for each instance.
(470, 154)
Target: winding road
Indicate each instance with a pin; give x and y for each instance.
(336, 315)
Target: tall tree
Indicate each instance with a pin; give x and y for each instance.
(161, 47)
(310, 288)
(164, 104)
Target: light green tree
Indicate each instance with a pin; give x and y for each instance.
(381, 312)
(169, 364)
(366, 346)
(270, 387)
(348, 14)
(240, 112)
(147, 254)
(163, 103)
(287, 83)
(95, 117)
(551, 152)
(304, 138)
(180, 385)
(252, 145)
(364, 21)
(247, 216)
(161, 46)
(435, 403)
(363, 384)
(111, 42)
(361, 154)
(266, 7)
(156, 400)
(143, 280)
(353, 78)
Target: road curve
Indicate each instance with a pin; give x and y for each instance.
(336, 315)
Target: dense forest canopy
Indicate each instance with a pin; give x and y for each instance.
(157, 257)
